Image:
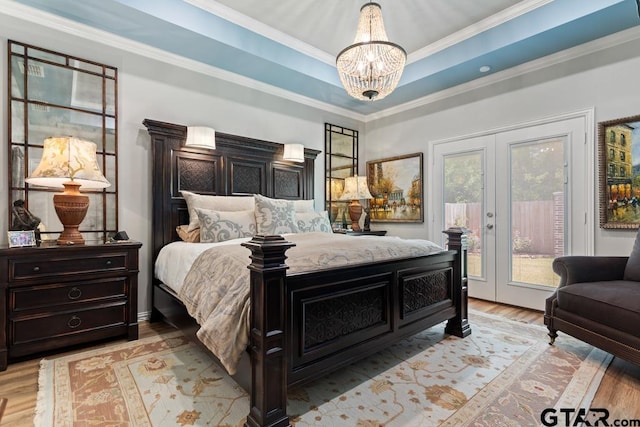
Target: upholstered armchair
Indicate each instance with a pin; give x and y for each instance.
(598, 302)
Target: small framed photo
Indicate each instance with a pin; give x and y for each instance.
(19, 239)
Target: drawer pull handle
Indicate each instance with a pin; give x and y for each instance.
(74, 322)
(108, 262)
(36, 269)
(74, 293)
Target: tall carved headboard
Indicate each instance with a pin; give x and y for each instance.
(238, 166)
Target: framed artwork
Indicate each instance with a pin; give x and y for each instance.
(19, 239)
(619, 172)
(396, 185)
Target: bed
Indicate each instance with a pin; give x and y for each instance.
(291, 340)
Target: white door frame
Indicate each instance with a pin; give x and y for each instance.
(586, 246)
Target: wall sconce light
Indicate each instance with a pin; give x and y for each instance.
(69, 163)
(293, 153)
(201, 137)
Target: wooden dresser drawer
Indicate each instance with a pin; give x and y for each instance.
(54, 295)
(29, 329)
(26, 268)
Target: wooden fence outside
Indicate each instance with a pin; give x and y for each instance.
(531, 220)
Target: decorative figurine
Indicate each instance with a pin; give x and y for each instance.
(367, 220)
(24, 220)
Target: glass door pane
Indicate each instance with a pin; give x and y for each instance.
(463, 202)
(537, 210)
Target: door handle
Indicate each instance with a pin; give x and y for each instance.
(489, 226)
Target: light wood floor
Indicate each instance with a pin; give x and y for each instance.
(619, 391)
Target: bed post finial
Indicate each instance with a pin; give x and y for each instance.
(267, 340)
(457, 241)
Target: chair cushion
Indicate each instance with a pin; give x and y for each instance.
(614, 303)
(632, 270)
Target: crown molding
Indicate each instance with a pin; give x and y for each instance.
(538, 64)
(55, 22)
(492, 21)
(264, 30)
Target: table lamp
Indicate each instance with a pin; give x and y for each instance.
(69, 163)
(355, 189)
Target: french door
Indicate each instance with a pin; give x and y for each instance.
(524, 196)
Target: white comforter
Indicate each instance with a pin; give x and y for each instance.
(215, 288)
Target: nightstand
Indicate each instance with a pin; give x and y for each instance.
(53, 296)
(363, 233)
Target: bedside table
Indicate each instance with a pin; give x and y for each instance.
(55, 296)
(363, 233)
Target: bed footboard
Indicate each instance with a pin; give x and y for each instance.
(305, 325)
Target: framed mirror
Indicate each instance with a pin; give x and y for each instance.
(53, 94)
(341, 161)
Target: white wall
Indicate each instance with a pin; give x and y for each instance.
(160, 91)
(607, 81)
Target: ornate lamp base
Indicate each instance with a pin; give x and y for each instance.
(71, 207)
(355, 212)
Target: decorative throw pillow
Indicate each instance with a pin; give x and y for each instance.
(632, 269)
(192, 236)
(313, 221)
(218, 226)
(275, 216)
(214, 203)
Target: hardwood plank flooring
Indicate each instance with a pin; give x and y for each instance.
(619, 391)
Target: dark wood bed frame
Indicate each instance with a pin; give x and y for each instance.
(302, 325)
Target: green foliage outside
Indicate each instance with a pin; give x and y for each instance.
(537, 172)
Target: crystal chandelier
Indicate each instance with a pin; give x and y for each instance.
(371, 67)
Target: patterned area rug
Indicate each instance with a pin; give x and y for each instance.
(504, 374)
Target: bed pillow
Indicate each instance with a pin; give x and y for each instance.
(214, 203)
(192, 236)
(303, 206)
(308, 222)
(218, 226)
(274, 216)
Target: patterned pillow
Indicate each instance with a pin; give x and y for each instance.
(313, 221)
(220, 226)
(214, 203)
(275, 216)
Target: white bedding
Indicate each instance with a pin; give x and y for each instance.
(175, 260)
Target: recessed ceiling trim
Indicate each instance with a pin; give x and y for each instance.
(262, 29)
(473, 30)
(174, 30)
(55, 22)
(612, 40)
